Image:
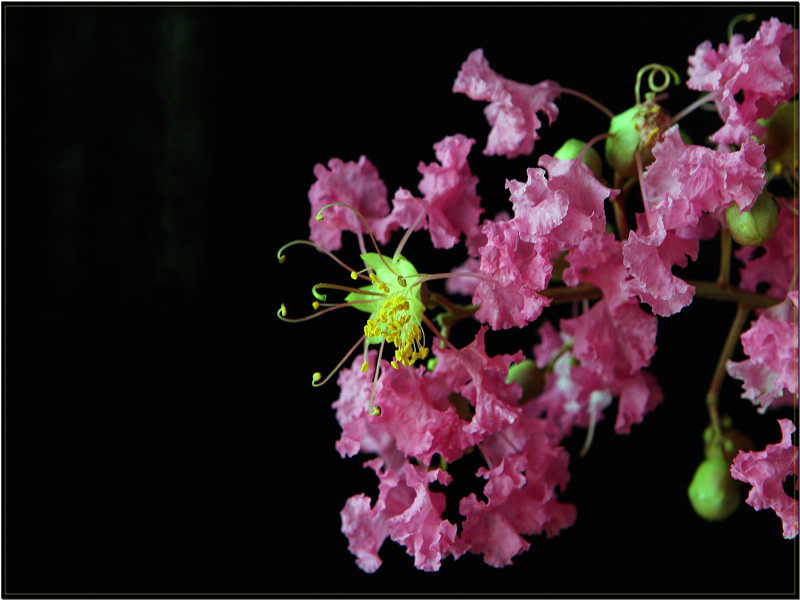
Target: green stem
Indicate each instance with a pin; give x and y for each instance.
(712, 291)
(724, 278)
(712, 396)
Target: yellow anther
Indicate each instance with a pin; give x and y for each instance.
(373, 278)
(282, 258)
(353, 275)
(376, 411)
(316, 377)
(395, 365)
(319, 217)
(282, 310)
(364, 367)
(315, 304)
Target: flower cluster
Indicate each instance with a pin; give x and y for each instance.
(415, 403)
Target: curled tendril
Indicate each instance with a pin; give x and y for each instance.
(655, 69)
(747, 18)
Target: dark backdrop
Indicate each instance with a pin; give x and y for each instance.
(160, 432)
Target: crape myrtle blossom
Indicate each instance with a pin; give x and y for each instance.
(769, 375)
(406, 511)
(513, 107)
(450, 205)
(413, 403)
(684, 183)
(766, 471)
(356, 184)
(762, 70)
(551, 214)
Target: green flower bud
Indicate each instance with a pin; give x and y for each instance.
(638, 128)
(572, 147)
(756, 226)
(780, 139)
(713, 493)
(529, 377)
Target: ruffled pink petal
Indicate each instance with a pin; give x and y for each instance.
(355, 184)
(617, 342)
(650, 258)
(517, 272)
(361, 432)
(640, 395)
(769, 375)
(513, 107)
(761, 70)
(449, 189)
(766, 471)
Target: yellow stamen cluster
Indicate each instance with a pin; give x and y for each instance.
(394, 323)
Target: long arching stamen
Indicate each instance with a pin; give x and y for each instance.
(423, 277)
(592, 142)
(407, 234)
(318, 313)
(701, 101)
(282, 256)
(319, 217)
(343, 288)
(316, 378)
(643, 192)
(590, 100)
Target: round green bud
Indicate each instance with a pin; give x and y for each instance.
(638, 128)
(713, 493)
(621, 148)
(529, 377)
(780, 139)
(756, 226)
(572, 147)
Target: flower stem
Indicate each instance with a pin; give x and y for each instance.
(712, 291)
(590, 100)
(712, 396)
(724, 278)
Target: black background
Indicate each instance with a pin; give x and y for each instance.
(160, 432)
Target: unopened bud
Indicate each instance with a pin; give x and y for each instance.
(638, 128)
(780, 139)
(755, 226)
(713, 493)
(572, 148)
(529, 377)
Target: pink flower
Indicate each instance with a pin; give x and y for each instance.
(763, 70)
(649, 258)
(416, 412)
(451, 205)
(516, 271)
(615, 342)
(408, 512)
(598, 260)
(610, 346)
(770, 374)
(686, 181)
(361, 432)
(512, 106)
(776, 265)
(355, 184)
(557, 212)
(481, 379)
(521, 493)
(684, 184)
(766, 471)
